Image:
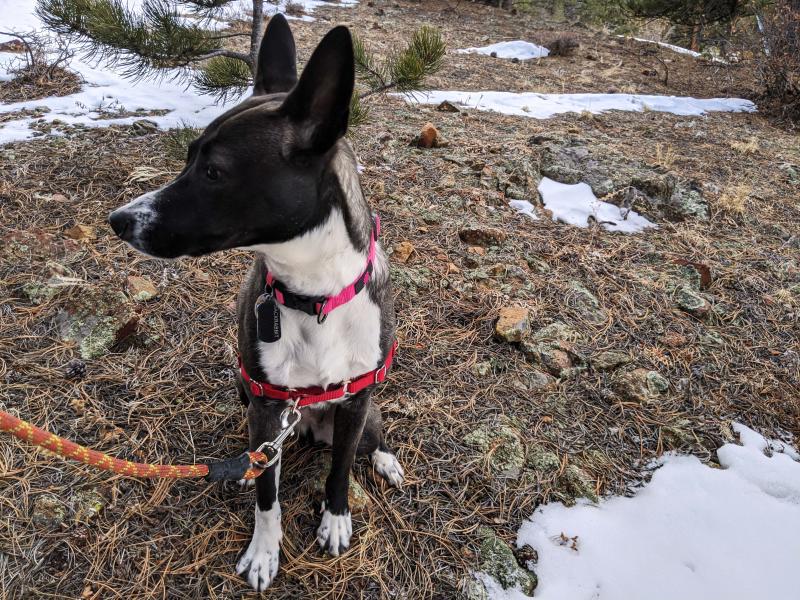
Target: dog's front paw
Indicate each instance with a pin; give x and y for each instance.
(259, 564)
(388, 467)
(246, 484)
(334, 532)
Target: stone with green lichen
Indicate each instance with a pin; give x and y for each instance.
(87, 504)
(95, 320)
(611, 359)
(587, 305)
(551, 346)
(501, 445)
(579, 484)
(482, 369)
(691, 302)
(543, 461)
(48, 511)
(498, 561)
(640, 385)
(472, 589)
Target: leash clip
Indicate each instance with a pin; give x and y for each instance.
(273, 449)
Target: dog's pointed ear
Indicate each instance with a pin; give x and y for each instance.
(319, 105)
(277, 59)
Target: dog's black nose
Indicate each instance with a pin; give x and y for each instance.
(121, 221)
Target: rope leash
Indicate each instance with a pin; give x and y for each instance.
(247, 465)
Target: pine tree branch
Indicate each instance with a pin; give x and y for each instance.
(227, 54)
(153, 40)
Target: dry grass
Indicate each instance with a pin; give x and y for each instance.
(734, 198)
(751, 146)
(167, 394)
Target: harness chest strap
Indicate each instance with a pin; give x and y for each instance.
(314, 395)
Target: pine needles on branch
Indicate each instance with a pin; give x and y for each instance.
(159, 37)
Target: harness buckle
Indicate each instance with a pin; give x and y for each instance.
(257, 385)
(380, 375)
(346, 389)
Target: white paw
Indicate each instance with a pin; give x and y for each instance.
(246, 484)
(334, 532)
(259, 564)
(388, 467)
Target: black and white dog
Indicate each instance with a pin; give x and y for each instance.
(275, 175)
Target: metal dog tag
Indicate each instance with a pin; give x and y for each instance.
(268, 319)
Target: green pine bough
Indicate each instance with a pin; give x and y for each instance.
(172, 35)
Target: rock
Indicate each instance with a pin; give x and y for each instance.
(482, 369)
(141, 289)
(640, 385)
(482, 236)
(75, 369)
(25, 246)
(96, 320)
(691, 301)
(609, 360)
(357, 497)
(86, 504)
(58, 197)
(552, 347)
(472, 589)
(543, 462)
(429, 137)
(446, 106)
(501, 445)
(587, 305)
(537, 380)
(493, 54)
(144, 127)
(579, 484)
(402, 251)
(498, 561)
(81, 232)
(48, 511)
(512, 324)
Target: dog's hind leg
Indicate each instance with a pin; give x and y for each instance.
(336, 525)
(381, 456)
(259, 563)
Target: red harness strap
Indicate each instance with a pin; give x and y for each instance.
(313, 395)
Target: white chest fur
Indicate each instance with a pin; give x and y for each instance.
(347, 344)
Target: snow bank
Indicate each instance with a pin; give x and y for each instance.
(694, 532)
(516, 49)
(544, 106)
(106, 98)
(576, 204)
(678, 49)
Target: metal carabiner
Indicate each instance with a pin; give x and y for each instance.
(273, 449)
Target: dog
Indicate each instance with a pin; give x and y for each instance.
(276, 175)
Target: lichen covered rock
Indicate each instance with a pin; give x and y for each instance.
(498, 561)
(640, 385)
(500, 444)
(512, 324)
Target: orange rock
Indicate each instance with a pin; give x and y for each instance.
(81, 232)
(429, 136)
(402, 251)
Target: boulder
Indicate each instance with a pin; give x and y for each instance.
(587, 305)
(610, 360)
(141, 289)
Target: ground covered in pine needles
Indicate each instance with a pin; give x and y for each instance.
(166, 394)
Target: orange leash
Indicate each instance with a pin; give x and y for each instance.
(245, 466)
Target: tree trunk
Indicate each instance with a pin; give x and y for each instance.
(256, 33)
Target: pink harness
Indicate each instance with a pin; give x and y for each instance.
(319, 305)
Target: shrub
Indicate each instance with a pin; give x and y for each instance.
(779, 67)
(563, 45)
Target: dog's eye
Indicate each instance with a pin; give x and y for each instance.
(212, 173)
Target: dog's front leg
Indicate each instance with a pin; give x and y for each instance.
(336, 526)
(259, 564)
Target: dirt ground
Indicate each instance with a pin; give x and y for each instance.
(167, 393)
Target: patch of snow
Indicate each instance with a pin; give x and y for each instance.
(515, 49)
(105, 96)
(544, 106)
(576, 204)
(678, 49)
(524, 207)
(694, 532)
